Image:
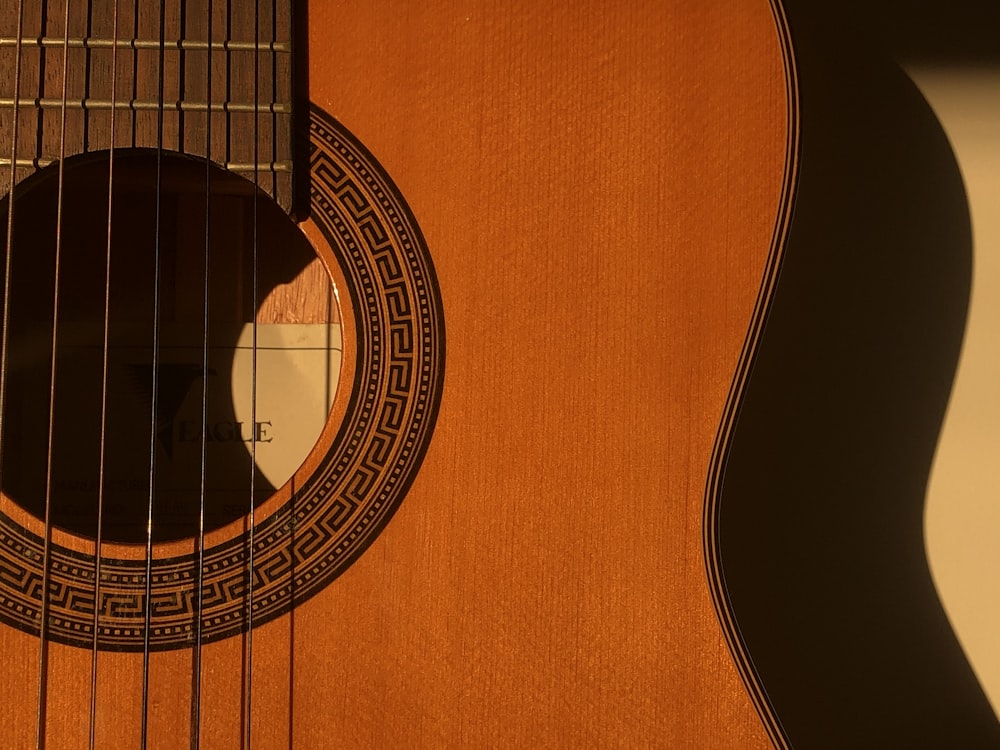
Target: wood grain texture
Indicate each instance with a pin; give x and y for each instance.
(598, 187)
(598, 184)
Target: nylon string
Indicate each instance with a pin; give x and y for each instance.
(104, 385)
(148, 609)
(9, 242)
(251, 515)
(43, 644)
(10, 220)
(200, 594)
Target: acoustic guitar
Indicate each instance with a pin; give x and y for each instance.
(525, 245)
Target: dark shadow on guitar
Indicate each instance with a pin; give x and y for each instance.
(163, 317)
(822, 504)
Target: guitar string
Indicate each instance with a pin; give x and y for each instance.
(9, 242)
(43, 642)
(251, 515)
(9, 254)
(181, 51)
(199, 595)
(135, 72)
(230, 21)
(293, 8)
(87, 88)
(274, 97)
(157, 272)
(98, 540)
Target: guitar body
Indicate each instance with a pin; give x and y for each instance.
(597, 189)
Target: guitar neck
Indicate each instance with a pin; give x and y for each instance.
(212, 80)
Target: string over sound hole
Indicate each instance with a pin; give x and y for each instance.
(172, 341)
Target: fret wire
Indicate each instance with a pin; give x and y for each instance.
(233, 166)
(281, 108)
(180, 44)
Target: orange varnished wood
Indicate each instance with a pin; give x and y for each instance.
(598, 183)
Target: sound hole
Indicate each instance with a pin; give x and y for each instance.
(166, 230)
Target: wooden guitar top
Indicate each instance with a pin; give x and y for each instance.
(601, 187)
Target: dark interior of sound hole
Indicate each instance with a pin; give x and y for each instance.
(156, 211)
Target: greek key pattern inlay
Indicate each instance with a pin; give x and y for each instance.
(329, 520)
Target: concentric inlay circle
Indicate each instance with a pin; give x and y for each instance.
(335, 514)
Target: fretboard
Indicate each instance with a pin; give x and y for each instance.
(201, 77)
